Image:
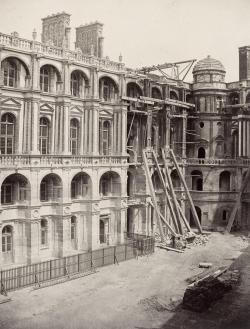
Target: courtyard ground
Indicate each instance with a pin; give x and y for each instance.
(137, 294)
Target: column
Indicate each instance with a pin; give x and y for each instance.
(124, 131)
(149, 128)
(36, 72)
(66, 79)
(65, 129)
(240, 136)
(33, 240)
(248, 136)
(167, 130)
(34, 126)
(95, 131)
(184, 130)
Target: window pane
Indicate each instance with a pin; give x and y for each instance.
(3, 244)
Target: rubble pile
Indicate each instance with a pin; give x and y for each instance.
(200, 295)
(198, 240)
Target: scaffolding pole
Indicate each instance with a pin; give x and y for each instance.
(186, 190)
(154, 201)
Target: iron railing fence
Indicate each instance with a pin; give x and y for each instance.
(144, 245)
(23, 276)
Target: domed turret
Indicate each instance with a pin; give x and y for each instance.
(209, 73)
(208, 64)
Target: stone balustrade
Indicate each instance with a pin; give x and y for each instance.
(218, 162)
(57, 52)
(27, 161)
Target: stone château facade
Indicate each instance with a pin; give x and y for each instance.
(71, 172)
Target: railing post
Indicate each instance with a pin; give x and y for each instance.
(103, 257)
(50, 269)
(125, 251)
(114, 255)
(78, 263)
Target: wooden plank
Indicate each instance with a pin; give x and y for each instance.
(154, 201)
(187, 191)
(173, 192)
(173, 212)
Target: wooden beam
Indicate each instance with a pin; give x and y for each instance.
(153, 196)
(187, 191)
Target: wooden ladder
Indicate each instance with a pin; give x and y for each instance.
(159, 216)
(186, 190)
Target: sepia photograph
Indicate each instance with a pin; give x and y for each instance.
(125, 164)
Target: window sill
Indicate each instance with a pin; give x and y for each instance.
(44, 247)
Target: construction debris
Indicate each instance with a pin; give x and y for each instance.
(200, 294)
(205, 265)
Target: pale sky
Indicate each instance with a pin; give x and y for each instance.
(147, 32)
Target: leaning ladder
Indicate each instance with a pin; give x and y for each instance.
(183, 181)
(159, 216)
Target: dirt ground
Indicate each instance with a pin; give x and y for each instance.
(136, 294)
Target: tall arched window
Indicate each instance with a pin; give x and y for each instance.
(9, 73)
(44, 136)
(50, 188)
(74, 136)
(197, 180)
(7, 239)
(81, 186)
(133, 90)
(44, 79)
(44, 232)
(108, 90)
(7, 134)
(224, 181)
(201, 153)
(235, 144)
(105, 137)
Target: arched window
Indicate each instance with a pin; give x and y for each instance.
(175, 179)
(50, 188)
(7, 239)
(105, 137)
(235, 144)
(201, 153)
(9, 73)
(133, 90)
(74, 136)
(157, 182)
(173, 95)
(7, 134)
(224, 181)
(110, 184)
(44, 232)
(14, 189)
(80, 186)
(197, 180)
(234, 98)
(107, 89)
(44, 136)
(73, 228)
(49, 78)
(44, 79)
(156, 93)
